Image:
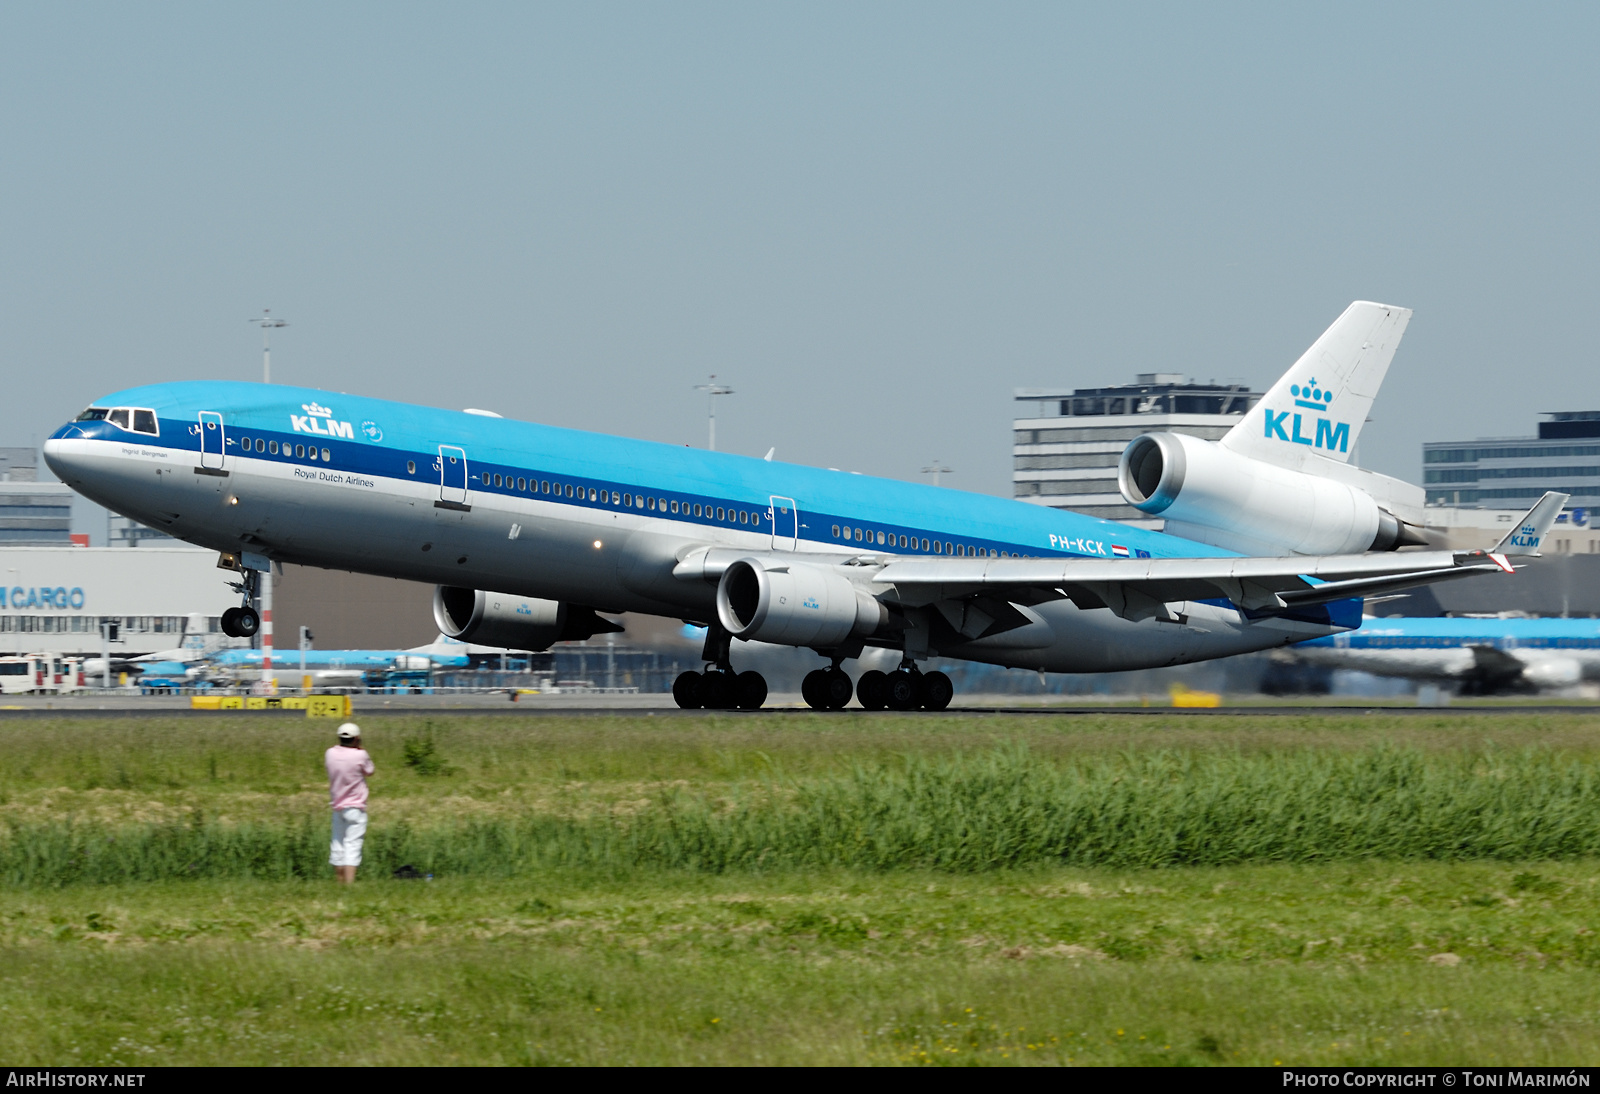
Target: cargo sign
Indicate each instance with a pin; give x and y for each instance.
(60, 598)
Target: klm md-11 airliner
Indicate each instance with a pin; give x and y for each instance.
(535, 534)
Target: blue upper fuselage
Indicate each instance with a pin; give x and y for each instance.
(1401, 633)
(355, 437)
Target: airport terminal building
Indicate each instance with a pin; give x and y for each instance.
(52, 599)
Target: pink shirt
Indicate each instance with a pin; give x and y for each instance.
(348, 769)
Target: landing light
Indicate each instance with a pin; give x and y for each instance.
(232, 500)
(597, 545)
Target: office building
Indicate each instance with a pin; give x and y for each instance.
(1512, 472)
(1066, 445)
(32, 513)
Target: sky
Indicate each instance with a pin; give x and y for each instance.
(872, 221)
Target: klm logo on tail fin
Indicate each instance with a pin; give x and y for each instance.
(1526, 536)
(1291, 426)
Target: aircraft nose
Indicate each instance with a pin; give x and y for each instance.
(59, 456)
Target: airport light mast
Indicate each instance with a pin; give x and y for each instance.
(712, 390)
(936, 469)
(268, 683)
(267, 324)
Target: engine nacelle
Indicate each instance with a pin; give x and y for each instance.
(512, 622)
(794, 604)
(1212, 494)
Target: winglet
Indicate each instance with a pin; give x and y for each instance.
(1535, 524)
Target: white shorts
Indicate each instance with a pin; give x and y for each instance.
(349, 833)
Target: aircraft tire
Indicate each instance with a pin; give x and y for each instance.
(836, 688)
(750, 688)
(717, 691)
(686, 690)
(813, 689)
(900, 691)
(872, 690)
(937, 691)
(247, 622)
(230, 623)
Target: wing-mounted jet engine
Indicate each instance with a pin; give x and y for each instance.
(513, 622)
(795, 604)
(1281, 481)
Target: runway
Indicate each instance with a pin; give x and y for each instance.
(44, 706)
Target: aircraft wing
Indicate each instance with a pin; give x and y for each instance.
(1139, 588)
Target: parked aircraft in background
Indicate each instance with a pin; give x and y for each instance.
(1480, 655)
(531, 532)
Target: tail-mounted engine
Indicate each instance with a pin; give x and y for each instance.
(1215, 495)
(513, 622)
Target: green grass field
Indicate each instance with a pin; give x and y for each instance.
(1317, 889)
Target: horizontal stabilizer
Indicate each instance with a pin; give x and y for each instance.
(1535, 524)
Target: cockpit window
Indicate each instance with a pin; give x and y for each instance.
(133, 419)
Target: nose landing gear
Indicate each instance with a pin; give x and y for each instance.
(243, 621)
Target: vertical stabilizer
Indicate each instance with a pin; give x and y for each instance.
(1319, 405)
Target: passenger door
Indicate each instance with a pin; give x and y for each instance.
(785, 520)
(212, 453)
(452, 476)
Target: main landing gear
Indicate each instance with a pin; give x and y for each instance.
(719, 687)
(906, 688)
(243, 621)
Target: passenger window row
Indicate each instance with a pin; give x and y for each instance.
(881, 538)
(625, 499)
(273, 448)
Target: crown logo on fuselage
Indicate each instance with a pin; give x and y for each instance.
(316, 408)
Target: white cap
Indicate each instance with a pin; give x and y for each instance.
(349, 731)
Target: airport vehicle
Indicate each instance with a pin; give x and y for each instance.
(531, 532)
(1480, 655)
(31, 673)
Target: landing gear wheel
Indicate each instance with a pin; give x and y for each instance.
(750, 689)
(872, 690)
(836, 689)
(901, 690)
(686, 690)
(813, 689)
(717, 690)
(240, 622)
(937, 691)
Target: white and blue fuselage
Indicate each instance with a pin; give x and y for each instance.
(465, 500)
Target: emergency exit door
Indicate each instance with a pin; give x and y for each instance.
(452, 475)
(785, 520)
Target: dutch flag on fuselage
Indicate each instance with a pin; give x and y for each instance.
(1119, 550)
